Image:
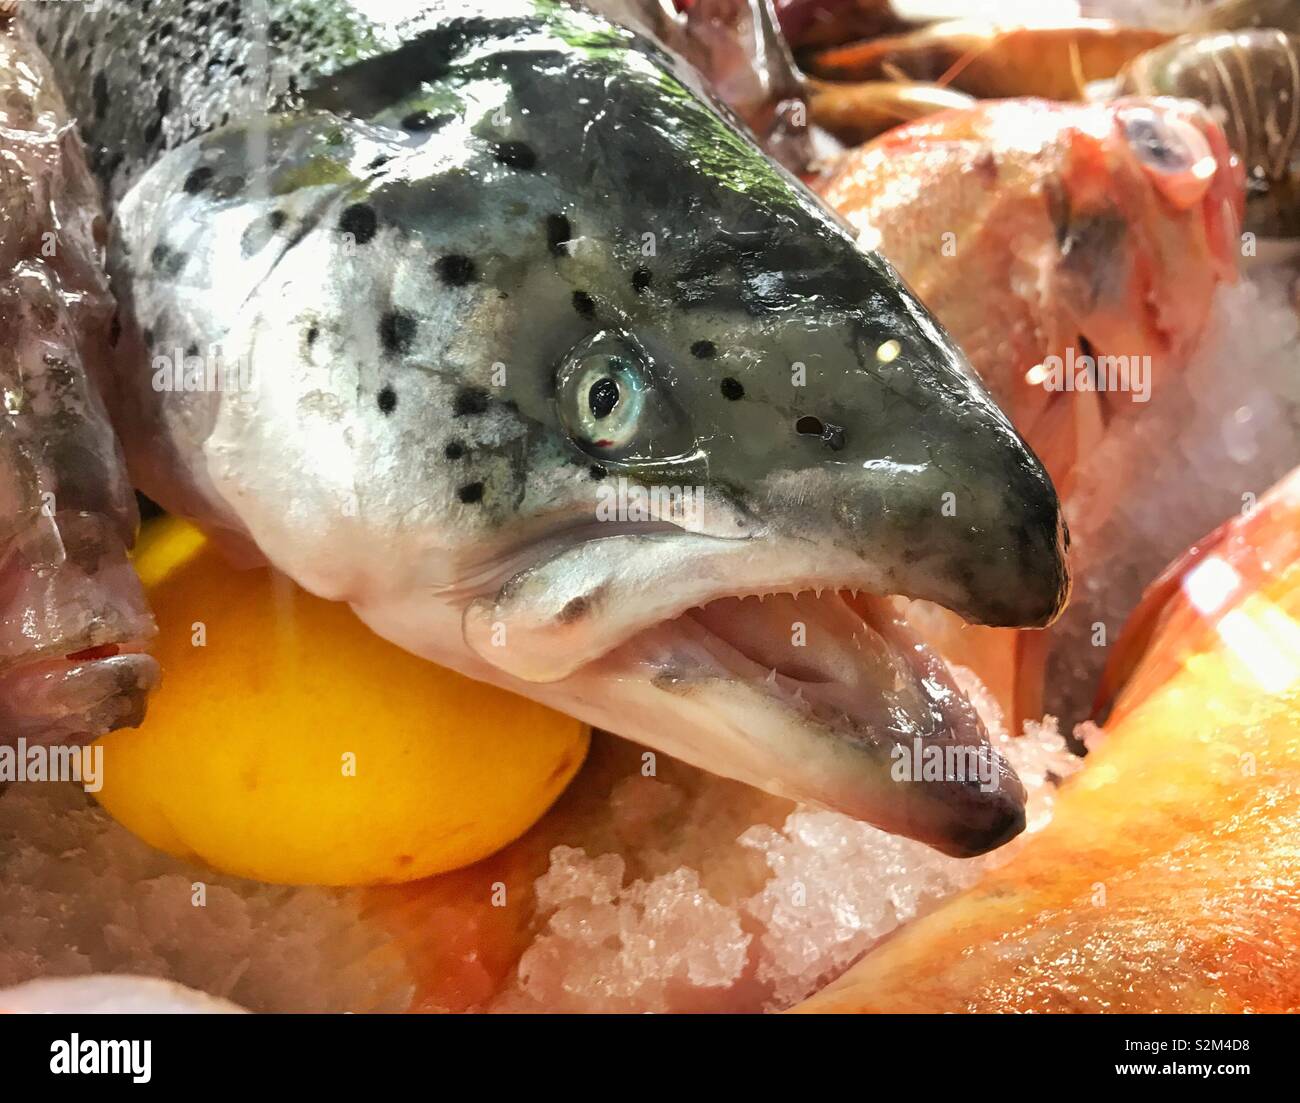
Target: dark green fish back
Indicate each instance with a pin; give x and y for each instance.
(144, 76)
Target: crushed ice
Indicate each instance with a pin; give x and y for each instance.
(836, 886)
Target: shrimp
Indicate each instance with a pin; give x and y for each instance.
(994, 61)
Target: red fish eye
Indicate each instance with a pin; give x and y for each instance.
(1175, 154)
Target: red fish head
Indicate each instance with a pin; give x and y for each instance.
(1148, 218)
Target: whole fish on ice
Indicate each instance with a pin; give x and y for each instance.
(492, 272)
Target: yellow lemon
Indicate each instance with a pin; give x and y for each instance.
(289, 743)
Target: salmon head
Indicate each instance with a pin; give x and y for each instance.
(558, 381)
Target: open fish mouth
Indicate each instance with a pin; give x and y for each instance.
(804, 684)
(80, 696)
(843, 706)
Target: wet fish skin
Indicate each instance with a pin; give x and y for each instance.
(420, 255)
(73, 618)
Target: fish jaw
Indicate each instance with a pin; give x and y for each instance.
(76, 624)
(824, 697)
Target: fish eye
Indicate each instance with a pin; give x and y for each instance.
(607, 392)
(1174, 153)
(1155, 143)
(611, 403)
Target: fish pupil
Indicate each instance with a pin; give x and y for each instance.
(603, 397)
(1149, 140)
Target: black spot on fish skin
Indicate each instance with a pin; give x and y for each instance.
(641, 279)
(423, 122)
(313, 331)
(99, 93)
(359, 221)
(584, 304)
(574, 610)
(396, 331)
(456, 270)
(704, 350)
(470, 401)
(148, 337)
(732, 389)
(470, 493)
(559, 231)
(197, 180)
(833, 436)
(597, 472)
(386, 400)
(455, 450)
(167, 261)
(516, 155)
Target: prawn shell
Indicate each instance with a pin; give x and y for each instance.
(992, 61)
(856, 113)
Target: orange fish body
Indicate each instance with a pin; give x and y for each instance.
(1169, 878)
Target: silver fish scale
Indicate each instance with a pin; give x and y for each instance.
(143, 77)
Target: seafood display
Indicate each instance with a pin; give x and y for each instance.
(1237, 15)
(856, 113)
(821, 441)
(668, 506)
(1043, 233)
(73, 622)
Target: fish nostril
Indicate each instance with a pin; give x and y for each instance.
(831, 435)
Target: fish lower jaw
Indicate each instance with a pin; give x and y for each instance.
(77, 697)
(816, 695)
